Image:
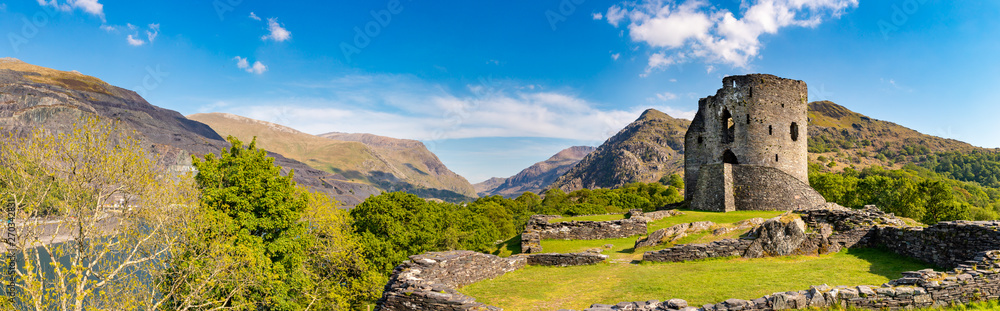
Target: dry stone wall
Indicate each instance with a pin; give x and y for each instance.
(429, 281)
(565, 260)
(946, 244)
(539, 228)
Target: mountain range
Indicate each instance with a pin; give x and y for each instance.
(389, 164)
(352, 167)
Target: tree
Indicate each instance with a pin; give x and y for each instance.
(254, 212)
(94, 218)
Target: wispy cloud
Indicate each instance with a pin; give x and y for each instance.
(3, 7)
(679, 32)
(135, 38)
(254, 16)
(277, 31)
(407, 107)
(93, 7)
(256, 68)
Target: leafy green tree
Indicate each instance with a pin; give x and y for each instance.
(254, 212)
(941, 203)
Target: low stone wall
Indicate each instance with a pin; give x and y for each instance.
(539, 228)
(688, 252)
(428, 281)
(565, 260)
(779, 236)
(945, 244)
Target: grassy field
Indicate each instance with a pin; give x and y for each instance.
(699, 282)
(624, 278)
(622, 252)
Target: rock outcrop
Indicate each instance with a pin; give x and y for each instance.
(644, 151)
(537, 177)
(429, 281)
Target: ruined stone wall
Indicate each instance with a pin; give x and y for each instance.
(539, 228)
(429, 281)
(945, 244)
(565, 260)
(752, 120)
(975, 281)
(715, 187)
(762, 188)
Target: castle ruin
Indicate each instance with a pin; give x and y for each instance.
(746, 148)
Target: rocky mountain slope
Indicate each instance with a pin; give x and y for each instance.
(537, 177)
(387, 163)
(645, 151)
(413, 168)
(845, 137)
(33, 96)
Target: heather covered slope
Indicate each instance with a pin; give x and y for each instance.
(644, 151)
(33, 96)
(850, 138)
(537, 177)
(412, 164)
(354, 161)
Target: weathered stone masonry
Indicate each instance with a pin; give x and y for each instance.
(539, 228)
(746, 147)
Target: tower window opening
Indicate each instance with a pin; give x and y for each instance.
(728, 127)
(748, 119)
(770, 130)
(700, 140)
(794, 129)
(776, 158)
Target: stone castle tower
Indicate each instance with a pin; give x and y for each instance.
(746, 148)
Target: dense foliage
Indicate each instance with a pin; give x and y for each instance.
(982, 167)
(278, 246)
(913, 192)
(395, 225)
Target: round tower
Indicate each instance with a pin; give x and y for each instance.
(756, 119)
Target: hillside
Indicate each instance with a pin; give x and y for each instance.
(33, 96)
(644, 151)
(347, 159)
(537, 177)
(848, 138)
(414, 166)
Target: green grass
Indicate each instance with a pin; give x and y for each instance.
(699, 282)
(622, 251)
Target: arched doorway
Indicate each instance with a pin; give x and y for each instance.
(730, 157)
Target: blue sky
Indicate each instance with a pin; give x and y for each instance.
(494, 86)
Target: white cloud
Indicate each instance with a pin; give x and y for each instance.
(278, 33)
(154, 30)
(109, 28)
(406, 107)
(256, 68)
(615, 15)
(665, 96)
(598, 16)
(134, 41)
(693, 29)
(254, 16)
(615, 56)
(93, 7)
